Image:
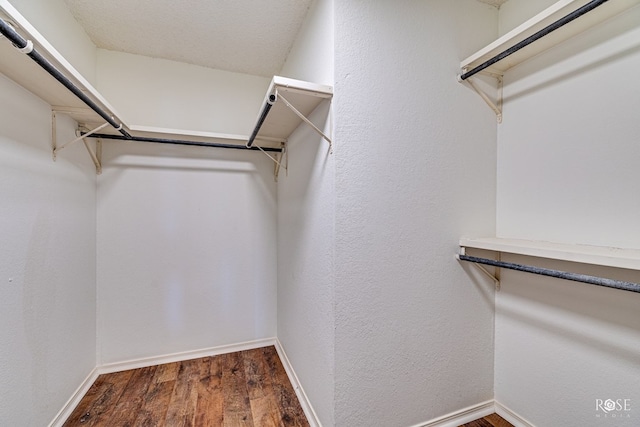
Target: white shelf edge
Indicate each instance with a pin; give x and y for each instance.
(285, 83)
(184, 134)
(187, 133)
(538, 22)
(585, 254)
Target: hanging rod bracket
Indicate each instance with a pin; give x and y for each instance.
(96, 156)
(82, 136)
(495, 106)
(480, 268)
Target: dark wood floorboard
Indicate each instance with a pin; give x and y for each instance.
(493, 420)
(243, 389)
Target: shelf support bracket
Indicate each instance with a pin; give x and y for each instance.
(277, 161)
(81, 137)
(494, 278)
(495, 106)
(95, 157)
(306, 120)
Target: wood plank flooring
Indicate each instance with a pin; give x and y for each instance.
(493, 420)
(243, 389)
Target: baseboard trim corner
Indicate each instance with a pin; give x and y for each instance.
(186, 355)
(73, 401)
(309, 412)
(511, 416)
(463, 416)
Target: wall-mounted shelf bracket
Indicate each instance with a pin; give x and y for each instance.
(82, 134)
(495, 106)
(483, 270)
(280, 159)
(304, 119)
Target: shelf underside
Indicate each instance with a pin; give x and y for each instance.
(304, 96)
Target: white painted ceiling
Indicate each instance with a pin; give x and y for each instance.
(245, 36)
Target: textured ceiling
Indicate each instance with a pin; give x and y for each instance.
(245, 36)
(496, 3)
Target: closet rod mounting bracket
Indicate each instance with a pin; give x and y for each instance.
(494, 277)
(495, 106)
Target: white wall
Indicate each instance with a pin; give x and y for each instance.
(306, 238)
(186, 235)
(514, 13)
(567, 172)
(186, 249)
(47, 262)
(53, 20)
(169, 94)
(415, 170)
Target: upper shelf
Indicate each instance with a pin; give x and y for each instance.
(585, 254)
(537, 23)
(21, 69)
(281, 121)
(303, 96)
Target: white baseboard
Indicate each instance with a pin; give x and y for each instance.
(311, 415)
(511, 416)
(73, 401)
(453, 419)
(463, 416)
(186, 355)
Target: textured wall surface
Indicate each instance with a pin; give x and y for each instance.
(306, 207)
(186, 249)
(567, 172)
(47, 262)
(415, 170)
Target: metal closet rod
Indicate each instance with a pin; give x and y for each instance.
(26, 46)
(263, 115)
(584, 278)
(543, 32)
(181, 142)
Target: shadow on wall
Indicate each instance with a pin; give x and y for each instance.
(577, 54)
(596, 318)
(216, 165)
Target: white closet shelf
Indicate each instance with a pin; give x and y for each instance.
(585, 254)
(551, 14)
(281, 120)
(298, 97)
(23, 70)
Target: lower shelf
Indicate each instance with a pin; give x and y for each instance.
(585, 254)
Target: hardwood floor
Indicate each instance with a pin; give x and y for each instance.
(243, 389)
(493, 420)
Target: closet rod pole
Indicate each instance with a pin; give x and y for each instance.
(584, 278)
(532, 38)
(265, 110)
(183, 142)
(26, 46)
